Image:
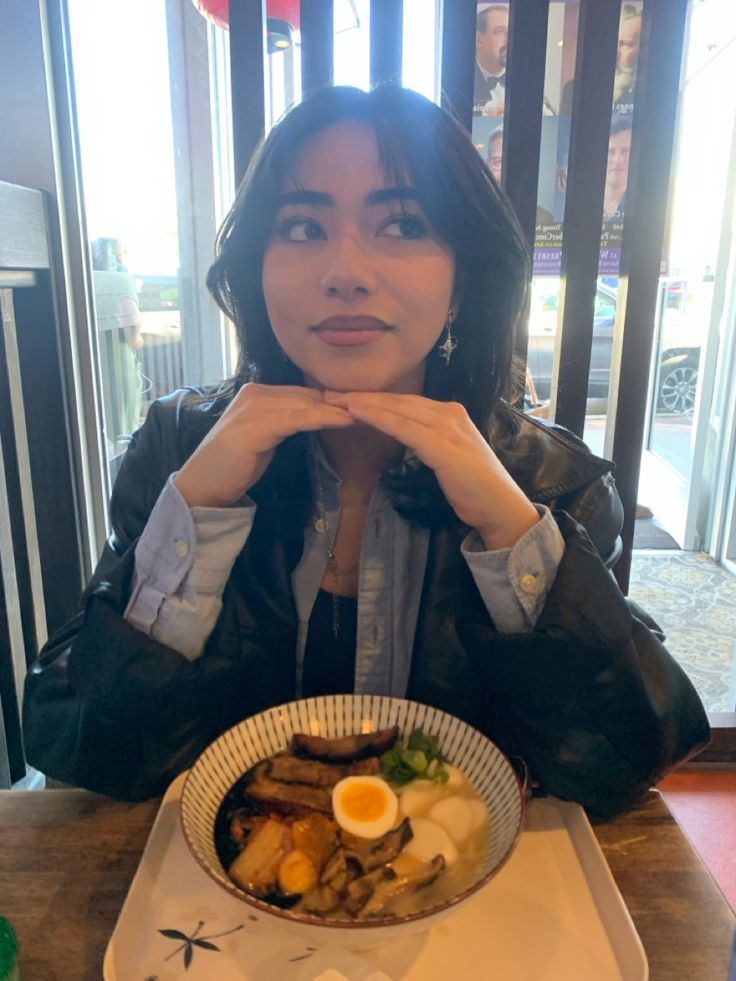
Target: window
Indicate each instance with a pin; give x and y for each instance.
(152, 110)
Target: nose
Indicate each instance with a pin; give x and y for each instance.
(349, 274)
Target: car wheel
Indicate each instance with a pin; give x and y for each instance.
(677, 387)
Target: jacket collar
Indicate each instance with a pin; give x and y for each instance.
(546, 460)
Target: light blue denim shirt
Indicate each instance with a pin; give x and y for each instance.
(184, 558)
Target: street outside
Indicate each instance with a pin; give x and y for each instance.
(670, 439)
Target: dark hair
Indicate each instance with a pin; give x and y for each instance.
(481, 21)
(105, 255)
(496, 135)
(421, 144)
(620, 124)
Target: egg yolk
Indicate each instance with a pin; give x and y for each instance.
(364, 802)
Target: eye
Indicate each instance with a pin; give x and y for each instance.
(299, 230)
(406, 226)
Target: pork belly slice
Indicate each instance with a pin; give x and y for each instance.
(289, 798)
(292, 769)
(346, 749)
(255, 868)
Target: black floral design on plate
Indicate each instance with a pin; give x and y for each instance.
(189, 943)
(303, 957)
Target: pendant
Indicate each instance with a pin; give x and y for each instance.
(320, 524)
(447, 348)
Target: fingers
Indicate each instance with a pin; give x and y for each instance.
(239, 448)
(284, 410)
(412, 407)
(280, 391)
(310, 418)
(413, 419)
(266, 415)
(415, 407)
(418, 423)
(405, 430)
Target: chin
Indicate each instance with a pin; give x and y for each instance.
(344, 378)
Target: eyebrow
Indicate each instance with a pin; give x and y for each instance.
(321, 199)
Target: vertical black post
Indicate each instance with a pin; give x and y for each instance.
(247, 63)
(586, 180)
(655, 114)
(522, 126)
(458, 58)
(387, 23)
(318, 33)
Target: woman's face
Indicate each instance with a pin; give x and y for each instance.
(357, 285)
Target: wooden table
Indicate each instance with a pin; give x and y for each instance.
(67, 858)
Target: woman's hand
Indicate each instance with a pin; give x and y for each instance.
(481, 492)
(237, 451)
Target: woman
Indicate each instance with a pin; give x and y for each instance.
(341, 522)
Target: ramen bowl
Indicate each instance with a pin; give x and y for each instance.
(333, 716)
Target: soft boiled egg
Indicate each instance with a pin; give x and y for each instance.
(364, 806)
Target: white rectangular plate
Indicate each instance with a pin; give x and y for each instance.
(553, 913)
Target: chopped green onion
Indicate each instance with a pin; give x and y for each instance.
(420, 759)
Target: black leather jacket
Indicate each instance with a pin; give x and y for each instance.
(590, 699)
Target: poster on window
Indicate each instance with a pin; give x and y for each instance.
(491, 49)
(492, 41)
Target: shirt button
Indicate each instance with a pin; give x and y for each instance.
(528, 582)
(182, 548)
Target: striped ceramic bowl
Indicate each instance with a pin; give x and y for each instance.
(238, 749)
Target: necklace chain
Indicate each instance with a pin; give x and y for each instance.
(321, 525)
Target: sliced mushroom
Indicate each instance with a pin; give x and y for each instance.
(387, 890)
(335, 872)
(321, 900)
(360, 890)
(382, 850)
(339, 870)
(346, 749)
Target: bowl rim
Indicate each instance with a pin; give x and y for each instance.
(311, 919)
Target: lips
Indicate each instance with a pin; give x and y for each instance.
(350, 331)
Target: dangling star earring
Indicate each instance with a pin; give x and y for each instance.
(450, 343)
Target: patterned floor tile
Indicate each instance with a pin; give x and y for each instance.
(694, 600)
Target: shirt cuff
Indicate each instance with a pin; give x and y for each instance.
(184, 551)
(514, 582)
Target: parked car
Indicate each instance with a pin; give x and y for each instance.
(677, 377)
